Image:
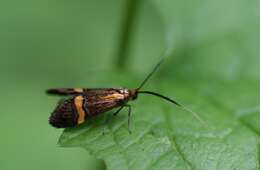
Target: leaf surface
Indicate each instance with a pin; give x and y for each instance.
(214, 71)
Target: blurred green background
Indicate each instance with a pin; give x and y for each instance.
(48, 44)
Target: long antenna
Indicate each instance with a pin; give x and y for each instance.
(165, 54)
(152, 72)
(176, 103)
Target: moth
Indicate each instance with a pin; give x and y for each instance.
(85, 103)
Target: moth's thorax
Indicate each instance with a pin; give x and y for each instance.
(124, 93)
(128, 94)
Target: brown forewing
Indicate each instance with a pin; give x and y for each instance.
(102, 100)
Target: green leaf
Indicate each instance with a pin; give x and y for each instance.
(165, 137)
(214, 71)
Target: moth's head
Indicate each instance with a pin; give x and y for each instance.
(65, 115)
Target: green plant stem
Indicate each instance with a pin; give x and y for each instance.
(127, 28)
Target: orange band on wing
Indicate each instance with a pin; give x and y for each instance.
(115, 96)
(79, 103)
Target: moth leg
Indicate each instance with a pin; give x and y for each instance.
(129, 117)
(108, 118)
(116, 112)
(104, 126)
(129, 114)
